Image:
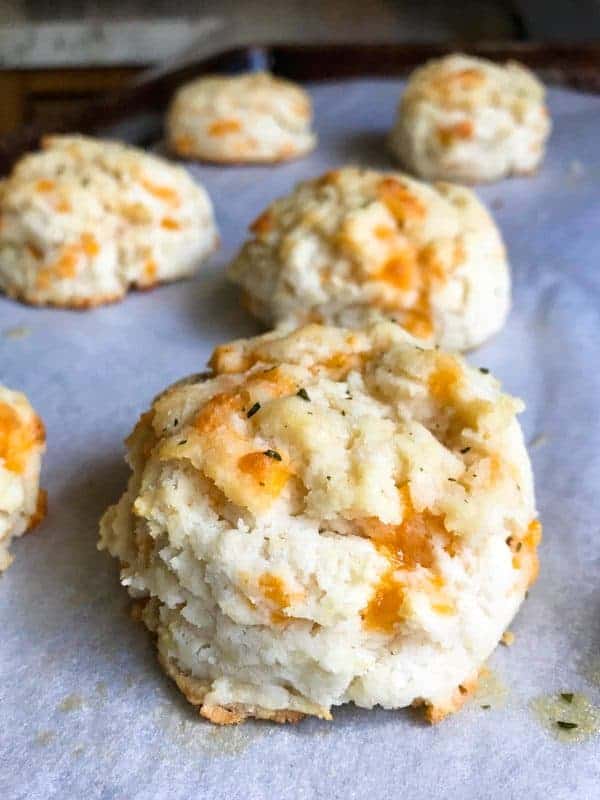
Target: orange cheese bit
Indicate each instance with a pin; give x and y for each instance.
(401, 271)
(215, 413)
(67, 262)
(406, 268)
(447, 134)
(447, 85)
(17, 438)
(417, 321)
(384, 609)
(403, 205)
(250, 478)
(383, 232)
(150, 270)
(89, 245)
(445, 379)
(467, 78)
(433, 267)
(273, 589)
(269, 474)
(184, 144)
(65, 265)
(221, 127)
(63, 206)
(341, 363)
(409, 544)
(406, 546)
(273, 381)
(165, 193)
(170, 224)
(44, 185)
(533, 536)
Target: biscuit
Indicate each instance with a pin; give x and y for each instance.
(22, 443)
(250, 118)
(84, 220)
(355, 245)
(468, 119)
(329, 516)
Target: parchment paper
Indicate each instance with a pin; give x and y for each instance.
(85, 711)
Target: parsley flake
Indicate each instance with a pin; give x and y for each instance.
(303, 394)
(252, 411)
(272, 454)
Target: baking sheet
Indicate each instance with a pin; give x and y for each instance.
(84, 708)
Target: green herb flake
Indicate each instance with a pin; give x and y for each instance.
(303, 394)
(465, 450)
(272, 454)
(486, 706)
(567, 696)
(183, 441)
(566, 726)
(252, 411)
(484, 370)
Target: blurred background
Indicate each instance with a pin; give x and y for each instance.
(57, 54)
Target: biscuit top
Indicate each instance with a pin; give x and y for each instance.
(460, 82)
(21, 431)
(364, 431)
(396, 240)
(81, 176)
(260, 92)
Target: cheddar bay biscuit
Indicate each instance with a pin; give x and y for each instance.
(248, 118)
(356, 245)
(329, 516)
(84, 220)
(22, 443)
(468, 119)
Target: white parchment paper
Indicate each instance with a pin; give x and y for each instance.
(85, 711)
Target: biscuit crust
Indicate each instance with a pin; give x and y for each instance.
(329, 516)
(84, 220)
(245, 119)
